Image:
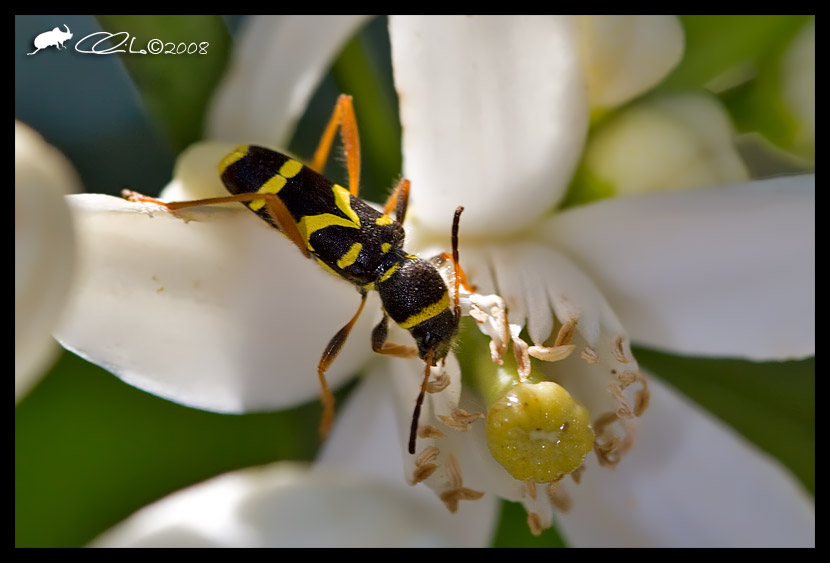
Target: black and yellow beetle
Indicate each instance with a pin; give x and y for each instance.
(350, 239)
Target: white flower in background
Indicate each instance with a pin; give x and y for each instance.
(44, 252)
(248, 508)
(495, 114)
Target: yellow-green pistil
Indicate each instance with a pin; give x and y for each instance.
(538, 431)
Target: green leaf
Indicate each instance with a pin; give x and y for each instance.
(767, 104)
(513, 530)
(727, 48)
(364, 70)
(772, 404)
(174, 84)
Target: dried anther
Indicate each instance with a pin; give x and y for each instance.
(618, 350)
(551, 353)
(438, 383)
(424, 464)
(566, 332)
(558, 497)
(456, 491)
(534, 522)
(429, 431)
(460, 419)
(589, 355)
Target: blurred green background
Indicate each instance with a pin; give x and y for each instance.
(90, 450)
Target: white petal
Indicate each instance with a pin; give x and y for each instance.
(494, 115)
(196, 173)
(370, 437)
(275, 68)
(44, 252)
(668, 143)
(214, 310)
(283, 505)
(690, 481)
(725, 271)
(626, 56)
(549, 286)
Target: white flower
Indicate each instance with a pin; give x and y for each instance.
(248, 508)
(210, 311)
(44, 252)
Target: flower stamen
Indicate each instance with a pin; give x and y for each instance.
(429, 431)
(558, 497)
(438, 382)
(566, 332)
(623, 408)
(456, 491)
(608, 446)
(521, 352)
(562, 346)
(619, 352)
(460, 419)
(576, 474)
(424, 466)
(534, 522)
(589, 355)
(530, 488)
(551, 353)
(489, 312)
(643, 396)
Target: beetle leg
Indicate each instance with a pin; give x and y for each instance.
(398, 201)
(329, 354)
(344, 118)
(381, 346)
(276, 209)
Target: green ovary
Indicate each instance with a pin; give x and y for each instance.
(538, 431)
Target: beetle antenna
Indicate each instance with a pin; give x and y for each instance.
(413, 431)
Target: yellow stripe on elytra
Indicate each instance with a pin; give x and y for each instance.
(308, 224)
(327, 268)
(384, 220)
(342, 199)
(351, 255)
(238, 152)
(427, 313)
(290, 168)
(389, 273)
(272, 186)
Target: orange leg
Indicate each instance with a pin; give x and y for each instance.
(381, 346)
(344, 118)
(398, 201)
(460, 273)
(330, 353)
(276, 209)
